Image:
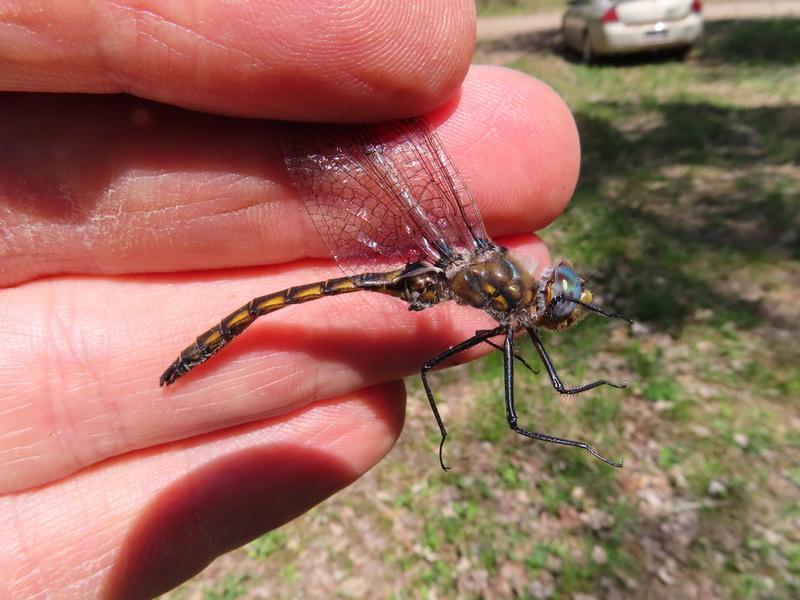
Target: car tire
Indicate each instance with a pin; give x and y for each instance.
(587, 52)
(567, 50)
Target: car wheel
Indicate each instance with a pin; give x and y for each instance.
(587, 52)
(568, 51)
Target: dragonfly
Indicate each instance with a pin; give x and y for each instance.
(397, 217)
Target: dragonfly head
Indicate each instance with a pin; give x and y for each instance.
(563, 293)
(563, 299)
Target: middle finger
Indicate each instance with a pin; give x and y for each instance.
(119, 185)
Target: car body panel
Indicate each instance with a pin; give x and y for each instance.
(635, 12)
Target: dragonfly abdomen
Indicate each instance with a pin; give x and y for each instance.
(212, 341)
(395, 283)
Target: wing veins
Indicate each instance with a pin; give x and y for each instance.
(381, 195)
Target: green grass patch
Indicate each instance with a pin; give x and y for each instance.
(669, 456)
(229, 587)
(491, 424)
(509, 475)
(516, 7)
(265, 546)
(766, 42)
(601, 408)
(290, 574)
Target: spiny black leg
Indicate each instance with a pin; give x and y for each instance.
(479, 337)
(517, 356)
(551, 371)
(511, 411)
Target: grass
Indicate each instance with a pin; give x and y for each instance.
(266, 545)
(517, 7)
(229, 587)
(687, 214)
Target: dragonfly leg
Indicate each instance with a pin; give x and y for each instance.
(479, 337)
(517, 356)
(556, 381)
(511, 411)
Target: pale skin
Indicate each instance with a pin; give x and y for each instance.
(128, 227)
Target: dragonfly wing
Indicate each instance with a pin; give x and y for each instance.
(428, 171)
(381, 196)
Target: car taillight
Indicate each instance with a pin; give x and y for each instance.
(697, 6)
(610, 16)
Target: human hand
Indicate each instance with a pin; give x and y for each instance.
(127, 227)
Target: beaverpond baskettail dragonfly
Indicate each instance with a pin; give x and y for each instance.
(396, 215)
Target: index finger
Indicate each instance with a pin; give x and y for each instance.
(322, 60)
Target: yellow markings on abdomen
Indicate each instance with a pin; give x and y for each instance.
(306, 292)
(339, 285)
(270, 303)
(211, 339)
(209, 343)
(300, 294)
(237, 319)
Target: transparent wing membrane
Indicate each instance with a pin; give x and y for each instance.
(381, 196)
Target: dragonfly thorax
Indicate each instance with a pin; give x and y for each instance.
(498, 284)
(502, 286)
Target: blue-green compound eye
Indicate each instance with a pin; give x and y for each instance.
(565, 282)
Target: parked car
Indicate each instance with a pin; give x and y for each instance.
(603, 27)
